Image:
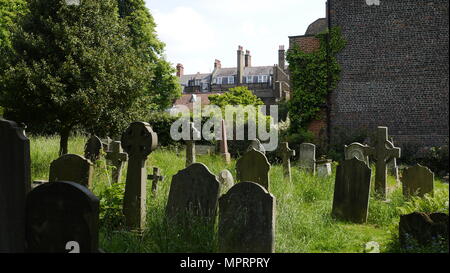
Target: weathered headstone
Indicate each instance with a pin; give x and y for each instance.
(417, 180)
(247, 220)
(383, 152)
(138, 141)
(256, 144)
(224, 144)
(59, 214)
(392, 166)
(71, 167)
(155, 177)
(358, 151)
(307, 158)
(324, 167)
(93, 148)
(286, 153)
(194, 192)
(204, 149)
(190, 144)
(226, 180)
(253, 166)
(117, 158)
(15, 183)
(351, 191)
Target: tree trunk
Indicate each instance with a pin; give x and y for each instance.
(63, 143)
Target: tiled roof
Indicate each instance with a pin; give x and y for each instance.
(253, 70)
(199, 76)
(186, 99)
(317, 27)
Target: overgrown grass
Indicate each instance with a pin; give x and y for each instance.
(303, 208)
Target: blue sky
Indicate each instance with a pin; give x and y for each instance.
(197, 32)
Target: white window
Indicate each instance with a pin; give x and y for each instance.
(230, 79)
(249, 79)
(262, 78)
(219, 80)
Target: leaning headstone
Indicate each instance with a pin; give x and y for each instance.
(62, 214)
(324, 168)
(224, 144)
(117, 157)
(190, 144)
(138, 141)
(351, 191)
(194, 192)
(15, 183)
(71, 167)
(226, 180)
(253, 166)
(286, 153)
(417, 180)
(358, 151)
(247, 220)
(93, 148)
(307, 158)
(256, 144)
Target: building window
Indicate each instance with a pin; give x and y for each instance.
(219, 80)
(230, 79)
(262, 78)
(249, 79)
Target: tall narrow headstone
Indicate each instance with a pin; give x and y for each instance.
(190, 144)
(286, 153)
(253, 166)
(138, 141)
(358, 151)
(118, 159)
(417, 180)
(351, 191)
(194, 192)
(392, 166)
(307, 158)
(224, 144)
(71, 167)
(59, 215)
(15, 183)
(93, 148)
(247, 220)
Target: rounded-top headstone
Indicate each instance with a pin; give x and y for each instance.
(92, 148)
(139, 140)
(72, 167)
(226, 180)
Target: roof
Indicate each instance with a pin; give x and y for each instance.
(253, 70)
(199, 76)
(186, 99)
(318, 26)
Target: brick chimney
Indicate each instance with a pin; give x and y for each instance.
(240, 65)
(217, 64)
(180, 70)
(281, 57)
(248, 59)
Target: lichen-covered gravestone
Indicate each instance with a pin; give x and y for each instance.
(351, 191)
(417, 180)
(194, 192)
(253, 166)
(358, 151)
(138, 141)
(286, 153)
(74, 168)
(118, 158)
(93, 148)
(15, 183)
(226, 180)
(307, 158)
(59, 215)
(247, 220)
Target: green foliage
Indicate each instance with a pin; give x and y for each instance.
(239, 95)
(111, 201)
(426, 204)
(9, 11)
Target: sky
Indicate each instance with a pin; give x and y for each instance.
(197, 32)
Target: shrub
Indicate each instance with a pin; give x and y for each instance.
(111, 200)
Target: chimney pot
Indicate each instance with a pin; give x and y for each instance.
(180, 70)
(281, 57)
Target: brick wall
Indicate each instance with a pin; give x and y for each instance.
(307, 43)
(395, 69)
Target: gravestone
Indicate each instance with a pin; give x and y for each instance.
(224, 144)
(138, 141)
(117, 158)
(74, 168)
(106, 144)
(351, 191)
(423, 228)
(247, 220)
(194, 192)
(15, 183)
(226, 180)
(383, 152)
(204, 149)
(256, 144)
(155, 177)
(190, 144)
(417, 180)
(392, 166)
(253, 166)
(61, 213)
(93, 148)
(358, 151)
(286, 153)
(324, 167)
(307, 158)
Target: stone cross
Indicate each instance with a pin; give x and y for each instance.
(286, 153)
(93, 148)
(72, 167)
(190, 144)
(307, 157)
(417, 180)
(383, 152)
(15, 183)
(117, 158)
(138, 141)
(253, 166)
(155, 177)
(223, 144)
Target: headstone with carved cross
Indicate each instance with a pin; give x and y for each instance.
(383, 151)
(286, 153)
(155, 177)
(138, 141)
(190, 144)
(92, 148)
(117, 158)
(224, 144)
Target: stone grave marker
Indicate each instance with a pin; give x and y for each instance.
(204, 149)
(224, 144)
(358, 151)
(307, 158)
(74, 168)
(247, 220)
(190, 144)
(351, 191)
(226, 180)
(60, 214)
(324, 167)
(155, 177)
(93, 148)
(392, 166)
(15, 183)
(117, 157)
(256, 144)
(286, 153)
(106, 144)
(138, 141)
(253, 166)
(194, 192)
(417, 180)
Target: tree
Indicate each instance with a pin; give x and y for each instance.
(9, 11)
(236, 96)
(73, 67)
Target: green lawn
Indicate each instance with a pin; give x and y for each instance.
(304, 224)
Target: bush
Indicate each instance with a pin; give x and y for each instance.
(435, 158)
(111, 200)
